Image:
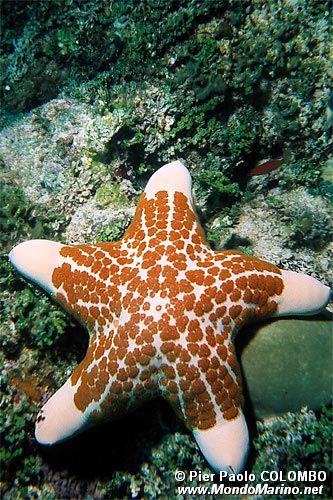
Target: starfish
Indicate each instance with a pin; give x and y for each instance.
(162, 310)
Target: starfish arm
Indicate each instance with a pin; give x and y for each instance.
(252, 289)
(225, 446)
(36, 260)
(59, 419)
(171, 177)
(301, 295)
(91, 395)
(106, 384)
(165, 217)
(83, 278)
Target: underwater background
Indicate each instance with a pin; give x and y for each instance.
(95, 96)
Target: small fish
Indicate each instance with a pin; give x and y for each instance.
(267, 166)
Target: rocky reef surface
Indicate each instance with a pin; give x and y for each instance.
(95, 97)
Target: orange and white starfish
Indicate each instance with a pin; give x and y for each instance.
(162, 309)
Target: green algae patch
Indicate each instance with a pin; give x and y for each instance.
(287, 364)
(111, 195)
(327, 172)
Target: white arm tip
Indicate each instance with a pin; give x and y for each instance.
(225, 446)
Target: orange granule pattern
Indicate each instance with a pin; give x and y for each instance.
(162, 309)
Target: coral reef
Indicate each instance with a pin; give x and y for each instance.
(241, 79)
(20, 466)
(302, 440)
(96, 96)
(290, 228)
